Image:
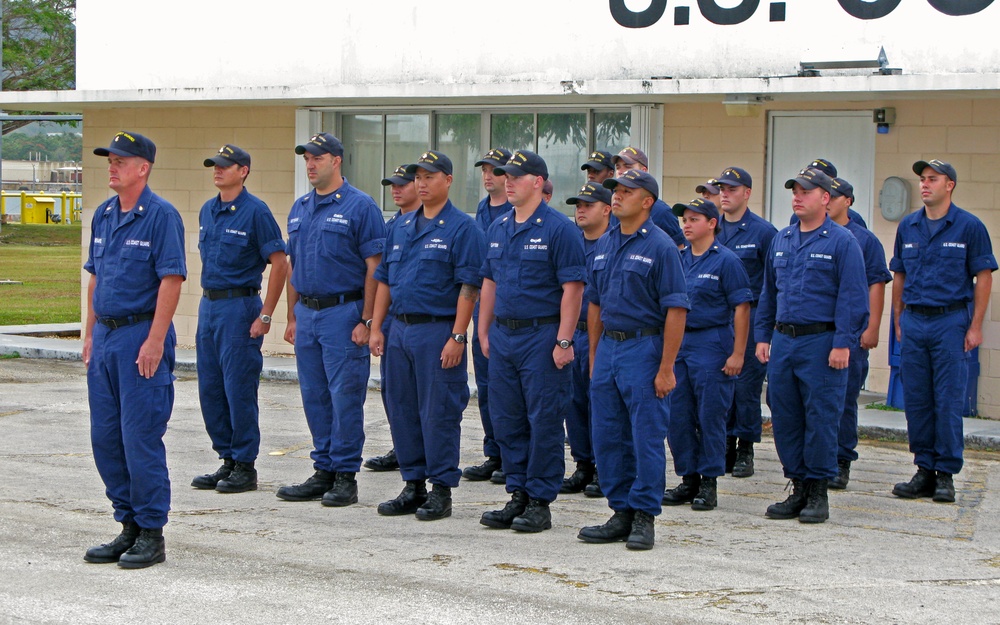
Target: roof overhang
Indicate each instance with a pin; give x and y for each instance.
(573, 92)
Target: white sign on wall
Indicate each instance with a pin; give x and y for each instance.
(303, 43)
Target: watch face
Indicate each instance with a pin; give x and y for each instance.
(265, 318)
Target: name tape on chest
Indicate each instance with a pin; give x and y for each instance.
(641, 259)
(136, 243)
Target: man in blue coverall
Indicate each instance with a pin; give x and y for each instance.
(638, 307)
(429, 281)
(749, 236)
(136, 261)
(830, 170)
(877, 275)
(237, 239)
(812, 310)
(635, 159)
(335, 238)
(533, 282)
(404, 196)
(593, 210)
(599, 166)
(943, 267)
(490, 208)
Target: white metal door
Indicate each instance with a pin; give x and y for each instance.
(796, 138)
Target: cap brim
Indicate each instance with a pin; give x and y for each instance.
(395, 180)
(315, 150)
(805, 184)
(412, 169)
(510, 170)
(732, 182)
(704, 188)
(109, 151)
(221, 161)
(594, 165)
(488, 161)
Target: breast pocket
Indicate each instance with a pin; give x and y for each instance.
(952, 267)
(232, 250)
(535, 267)
(494, 257)
(634, 277)
(135, 273)
(819, 278)
(336, 238)
(750, 260)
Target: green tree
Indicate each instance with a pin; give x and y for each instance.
(39, 47)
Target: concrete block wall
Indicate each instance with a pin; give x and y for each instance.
(184, 138)
(700, 140)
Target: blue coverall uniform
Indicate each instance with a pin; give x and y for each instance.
(857, 369)
(938, 293)
(235, 239)
(130, 253)
(749, 239)
(329, 238)
(716, 284)
(530, 263)
(386, 329)
(578, 414)
(485, 216)
(425, 272)
(666, 220)
(810, 281)
(636, 279)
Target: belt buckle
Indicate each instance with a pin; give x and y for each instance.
(618, 335)
(111, 323)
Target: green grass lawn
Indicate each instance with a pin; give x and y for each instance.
(46, 259)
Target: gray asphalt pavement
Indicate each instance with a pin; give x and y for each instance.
(252, 558)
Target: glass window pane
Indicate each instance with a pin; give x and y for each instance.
(406, 138)
(459, 136)
(562, 142)
(514, 131)
(612, 131)
(362, 138)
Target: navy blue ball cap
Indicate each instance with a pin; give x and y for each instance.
(635, 179)
(432, 161)
(810, 178)
(736, 177)
(497, 157)
(940, 167)
(228, 156)
(323, 143)
(598, 160)
(400, 176)
(129, 144)
(842, 188)
(699, 205)
(631, 156)
(824, 166)
(710, 186)
(525, 162)
(591, 192)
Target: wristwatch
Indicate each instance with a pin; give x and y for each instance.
(368, 323)
(459, 338)
(265, 318)
(565, 343)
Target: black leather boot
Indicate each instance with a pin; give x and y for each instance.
(617, 528)
(684, 492)
(243, 478)
(583, 475)
(387, 462)
(211, 480)
(501, 519)
(498, 477)
(944, 489)
(413, 495)
(535, 518)
(594, 488)
(110, 552)
(343, 493)
(790, 507)
(438, 504)
(643, 532)
(707, 497)
(843, 475)
(149, 549)
(743, 466)
(311, 489)
(730, 453)
(922, 484)
(484, 471)
(817, 508)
